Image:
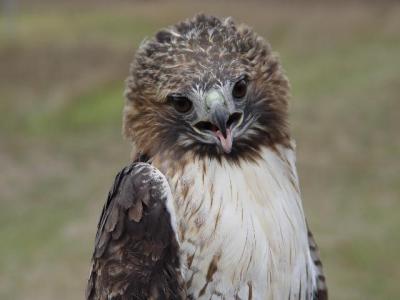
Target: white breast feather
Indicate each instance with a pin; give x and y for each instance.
(251, 218)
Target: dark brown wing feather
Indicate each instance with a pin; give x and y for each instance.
(136, 251)
(321, 292)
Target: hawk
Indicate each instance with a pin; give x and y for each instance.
(210, 207)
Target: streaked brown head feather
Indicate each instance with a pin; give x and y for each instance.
(195, 55)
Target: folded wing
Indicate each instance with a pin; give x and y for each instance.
(136, 253)
(321, 291)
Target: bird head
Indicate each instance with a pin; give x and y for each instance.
(208, 88)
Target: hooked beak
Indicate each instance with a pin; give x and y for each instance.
(219, 117)
(221, 124)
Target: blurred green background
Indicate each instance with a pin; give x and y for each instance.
(62, 71)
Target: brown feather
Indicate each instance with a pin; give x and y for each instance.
(136, 251)
(321, 293)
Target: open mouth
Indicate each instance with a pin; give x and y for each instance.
(234, 120)
(224, 136)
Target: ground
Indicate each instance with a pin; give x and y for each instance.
(61, 85)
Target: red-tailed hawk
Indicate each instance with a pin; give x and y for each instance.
(210, 208)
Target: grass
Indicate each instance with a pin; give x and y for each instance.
(61, 86)
(90, 110)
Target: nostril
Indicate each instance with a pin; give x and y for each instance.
(204, 126)
(235, 118)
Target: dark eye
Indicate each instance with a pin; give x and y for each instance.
(240, 89)
(181, 103)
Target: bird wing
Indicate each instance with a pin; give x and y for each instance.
(321, 291)
(136, 246)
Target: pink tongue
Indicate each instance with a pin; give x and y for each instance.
(226, 143)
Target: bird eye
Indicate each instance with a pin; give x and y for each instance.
(240, 89)
(181, 103)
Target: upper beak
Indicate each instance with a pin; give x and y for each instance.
(221, 121)
(219, 117)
